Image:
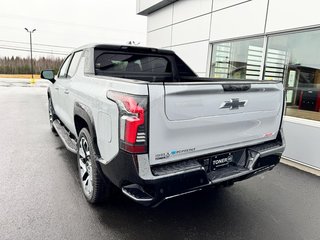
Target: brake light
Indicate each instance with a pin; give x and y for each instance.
(133, 121)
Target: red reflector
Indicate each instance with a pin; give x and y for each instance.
(134, 149)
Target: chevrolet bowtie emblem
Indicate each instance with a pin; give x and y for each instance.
(233, 104)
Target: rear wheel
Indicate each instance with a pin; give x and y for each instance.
(94, 186)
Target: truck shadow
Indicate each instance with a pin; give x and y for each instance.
(188, 215)
(214, 213)
(209, 214)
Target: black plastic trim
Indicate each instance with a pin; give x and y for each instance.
(84, 112)
(123, 171)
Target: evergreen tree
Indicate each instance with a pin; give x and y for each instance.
(18, 65)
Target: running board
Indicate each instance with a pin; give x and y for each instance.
(70, 144)
(136, 192)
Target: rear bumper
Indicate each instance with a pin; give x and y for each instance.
(152, 185)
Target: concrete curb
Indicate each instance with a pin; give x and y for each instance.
(300, 166)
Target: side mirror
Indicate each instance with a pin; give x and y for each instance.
(48, 75)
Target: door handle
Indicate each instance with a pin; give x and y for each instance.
(66, 91)
(56, 88)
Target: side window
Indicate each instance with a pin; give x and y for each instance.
(64, 67)
(74, 64)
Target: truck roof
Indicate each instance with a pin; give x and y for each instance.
(125, 47)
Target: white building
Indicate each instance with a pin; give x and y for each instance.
(251, 39)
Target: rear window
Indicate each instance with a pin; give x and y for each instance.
(107, 63)
(140, 64)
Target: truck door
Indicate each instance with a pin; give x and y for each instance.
(58, 85)
(67, 96)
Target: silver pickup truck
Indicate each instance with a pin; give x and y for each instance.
(141, 120)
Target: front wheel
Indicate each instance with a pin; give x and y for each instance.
(94, 186)
(52, 115)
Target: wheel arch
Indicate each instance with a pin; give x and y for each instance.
(83, 118)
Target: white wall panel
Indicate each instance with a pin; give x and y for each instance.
(160, 18)
(241, 20)
(186, 9)
(200, 74)
(194, 54)
(220, 4)
(196, 29)
(159, 38)
(302, 140)
(286, 14)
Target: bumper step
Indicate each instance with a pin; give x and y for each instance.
(235, 173)
(70, 144)
(174, 168)
(227, 172)
(266, 146)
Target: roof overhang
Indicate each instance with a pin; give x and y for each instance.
(145, 7)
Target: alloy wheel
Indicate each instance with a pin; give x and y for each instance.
(85, 167)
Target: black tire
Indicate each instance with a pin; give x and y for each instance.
(52, 115)
(88, 167)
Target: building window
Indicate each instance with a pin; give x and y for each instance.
(241, 59)
(295, 59)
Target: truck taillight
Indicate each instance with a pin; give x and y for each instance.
(133, 121)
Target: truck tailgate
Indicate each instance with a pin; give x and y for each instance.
(192, 119)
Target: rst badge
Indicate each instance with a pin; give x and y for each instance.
(233, 104)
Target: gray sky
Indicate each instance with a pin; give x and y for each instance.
(68, 23)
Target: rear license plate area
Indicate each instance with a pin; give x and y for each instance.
(216, 162)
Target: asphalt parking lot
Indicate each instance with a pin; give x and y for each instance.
(41, 198)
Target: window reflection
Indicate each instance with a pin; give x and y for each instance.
(299, 68)
(237, 59)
